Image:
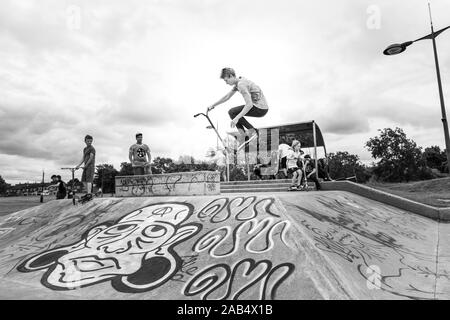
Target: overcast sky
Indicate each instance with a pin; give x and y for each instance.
(113, 68)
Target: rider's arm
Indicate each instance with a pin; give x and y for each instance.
(82, 160)
(248, 103)
(130, 155)
(224, 99)
(149, 155)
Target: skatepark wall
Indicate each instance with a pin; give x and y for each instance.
(169, 184)
(442, 214)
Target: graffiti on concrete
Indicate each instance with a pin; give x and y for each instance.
(261, 240)
(32, 232)
(349, 231)
(135, 253)
(241, 208)
(5, 231)
(245, 225)
(222, 250)
(166, 184)
(222, 281)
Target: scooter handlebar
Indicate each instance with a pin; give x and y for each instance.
(201, 114)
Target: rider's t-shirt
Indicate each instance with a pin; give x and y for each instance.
(87, 153)
(139, 152)
(255, 91)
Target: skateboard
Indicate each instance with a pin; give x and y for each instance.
(304, 187)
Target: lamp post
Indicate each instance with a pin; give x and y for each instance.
(399, 48)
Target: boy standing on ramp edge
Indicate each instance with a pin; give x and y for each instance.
(255, 103)
(138, 154)
(89, 164)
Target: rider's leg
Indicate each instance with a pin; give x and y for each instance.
(243, 123)
(88, 178)
(89, 187)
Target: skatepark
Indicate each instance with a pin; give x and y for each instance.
(333, 244)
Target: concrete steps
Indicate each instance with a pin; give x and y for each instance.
(255, 186)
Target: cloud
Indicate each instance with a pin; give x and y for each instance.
(150, 65)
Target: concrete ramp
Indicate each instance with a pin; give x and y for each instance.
(330, 245)
(377, 251)
(155, 248)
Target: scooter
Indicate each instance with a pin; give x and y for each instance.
(227, 150)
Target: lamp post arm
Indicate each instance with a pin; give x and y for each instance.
(430, 36)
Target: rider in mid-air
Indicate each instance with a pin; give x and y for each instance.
(255, 103)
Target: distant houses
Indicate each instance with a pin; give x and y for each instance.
(35, 189)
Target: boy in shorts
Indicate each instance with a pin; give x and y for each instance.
(89, 164)
(139, 155)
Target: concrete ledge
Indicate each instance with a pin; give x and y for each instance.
(169, 184)
(442, 214)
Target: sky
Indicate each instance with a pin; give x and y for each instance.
(112, 68)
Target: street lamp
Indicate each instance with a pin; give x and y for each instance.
(399, 48)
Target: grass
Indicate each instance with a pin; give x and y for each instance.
(434, 192)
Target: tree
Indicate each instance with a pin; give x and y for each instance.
(161, 165)
(126, 169)
(344, 165)
(434, 157)
(3, 185)
(105, 177)
(400, 157)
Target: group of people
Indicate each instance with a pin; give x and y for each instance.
(139, 156)
(302, 167)
(292, 159)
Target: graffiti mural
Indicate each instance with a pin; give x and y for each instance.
(243, 226)
(135, 253)
(352, 233)
(186, 183)
(216, 282)
(222, 248)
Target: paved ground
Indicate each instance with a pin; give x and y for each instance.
(13, 204)
(327, 245)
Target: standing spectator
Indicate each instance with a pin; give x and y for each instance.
(139, 155)
(89, 164)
